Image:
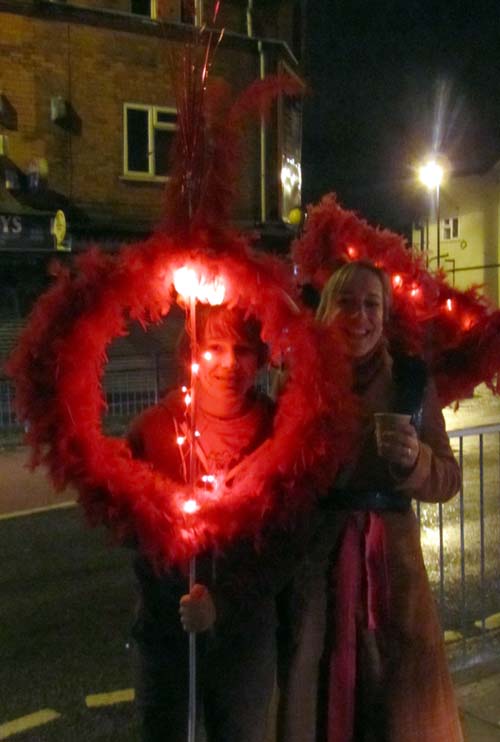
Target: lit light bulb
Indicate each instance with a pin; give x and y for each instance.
(197, 433)
(449, 305)
(187, 400)
(189, 285)
(184, 389)
(195, 367)
(352, 252)
(186, 282)
(208, 478)
(207, 355)
(181, 439)
(190, 506)
(212, 292)
(397, 281)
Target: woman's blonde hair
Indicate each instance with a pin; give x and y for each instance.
(339, 280)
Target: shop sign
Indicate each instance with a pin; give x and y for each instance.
(33, 232)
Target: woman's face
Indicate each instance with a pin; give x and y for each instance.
(227, 372)
(359, 313)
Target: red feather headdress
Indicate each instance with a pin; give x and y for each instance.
(457, 332)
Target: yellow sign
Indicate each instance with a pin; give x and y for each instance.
(58, 230)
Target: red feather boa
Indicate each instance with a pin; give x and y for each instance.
(58, 367)
(457, 332)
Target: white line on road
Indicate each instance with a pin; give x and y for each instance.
(108, 699)
(16, 726)
(34, 511)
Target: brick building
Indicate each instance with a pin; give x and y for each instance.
(87, 114)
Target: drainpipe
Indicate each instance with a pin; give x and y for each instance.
(263, 141)
(198, 13)
(262, 74)
(249, 17)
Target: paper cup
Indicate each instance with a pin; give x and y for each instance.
(385, 421)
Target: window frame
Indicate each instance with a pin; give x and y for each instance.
(289, 153)
(449, 223)
(153, 13)
(153, 125)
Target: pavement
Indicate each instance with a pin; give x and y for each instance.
(22, 489)
(477, 686)
(478, 696)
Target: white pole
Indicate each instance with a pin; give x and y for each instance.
(191, 735)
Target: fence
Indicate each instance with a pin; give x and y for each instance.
(130, 385)
(460, 539)
(461, 545)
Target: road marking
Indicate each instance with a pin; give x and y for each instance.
(34, 511)
(27, 722)
(108, 699)
(490, 622)
(452, 636)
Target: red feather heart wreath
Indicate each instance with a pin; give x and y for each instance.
(455, 331)
(58, 367)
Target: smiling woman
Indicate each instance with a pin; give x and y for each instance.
(385, 675)
(357, 298)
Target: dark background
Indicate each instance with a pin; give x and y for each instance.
(391, 81)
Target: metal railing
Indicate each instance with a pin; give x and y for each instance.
(7, 416)
(130, 385)
(461, 545)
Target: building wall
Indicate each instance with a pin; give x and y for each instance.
(473, 256)
(98, 65)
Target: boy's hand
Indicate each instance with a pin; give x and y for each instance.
(197, 610)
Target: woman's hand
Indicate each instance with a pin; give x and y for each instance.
(400, 446)
(197, 610)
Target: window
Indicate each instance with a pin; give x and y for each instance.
(290, 145)
(148, 135)
(450, 228)
(143, 7)
(187, 11)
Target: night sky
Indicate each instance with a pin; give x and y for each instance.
(391, 81)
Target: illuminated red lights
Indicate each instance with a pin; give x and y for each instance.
(190, 506)
(397, 281)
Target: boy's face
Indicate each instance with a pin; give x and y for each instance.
(227, 372)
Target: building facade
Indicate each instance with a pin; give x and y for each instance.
(87, 114)
(469, 226)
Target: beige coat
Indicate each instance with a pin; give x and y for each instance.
(402, 676)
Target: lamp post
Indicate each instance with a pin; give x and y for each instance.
(431, 174)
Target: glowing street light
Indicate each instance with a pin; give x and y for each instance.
(431, 174)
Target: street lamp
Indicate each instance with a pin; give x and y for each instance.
(431, 174)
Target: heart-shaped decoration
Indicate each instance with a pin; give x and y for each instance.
(58, 368)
